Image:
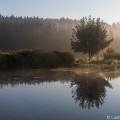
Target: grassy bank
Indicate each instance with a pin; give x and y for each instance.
(101, 64)
(26, 59)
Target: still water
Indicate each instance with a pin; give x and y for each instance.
(59, 95)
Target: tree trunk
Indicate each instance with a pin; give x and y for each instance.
(90, 56)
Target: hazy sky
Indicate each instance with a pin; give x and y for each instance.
(107, 10)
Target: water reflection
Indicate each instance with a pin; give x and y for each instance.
(90, 90)
(33, 77)
(112, 75)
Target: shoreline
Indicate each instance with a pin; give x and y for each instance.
(90, 68)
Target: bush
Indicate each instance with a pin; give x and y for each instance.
(112, 56)
(34, 59)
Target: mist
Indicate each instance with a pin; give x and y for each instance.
(43, 34)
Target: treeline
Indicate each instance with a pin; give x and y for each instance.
(26, 59)
(35, 33)
(43, 34)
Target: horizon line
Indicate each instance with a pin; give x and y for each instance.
(37, 16)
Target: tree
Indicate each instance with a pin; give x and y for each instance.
(110, 51)
(89, 36)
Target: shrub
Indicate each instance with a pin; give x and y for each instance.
(111, 54)
(34, 59)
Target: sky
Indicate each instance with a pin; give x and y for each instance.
(107, 10)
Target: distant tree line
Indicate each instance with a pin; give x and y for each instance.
(35, 33)
(43, 34)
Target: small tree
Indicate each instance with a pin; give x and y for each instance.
(110, 51)
(89, 36)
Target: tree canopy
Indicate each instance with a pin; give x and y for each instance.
(44, 34)
(89, 36)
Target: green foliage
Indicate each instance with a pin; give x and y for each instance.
(81, 60)
(111, 54)
(35, 33)
(35, 59)
(110, 58)
(89, 36)
(110, 50)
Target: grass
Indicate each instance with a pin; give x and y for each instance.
(109, 64)
(29, 59)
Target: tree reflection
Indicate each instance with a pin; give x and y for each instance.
(89, 90)
(33, 77)
(112, 75)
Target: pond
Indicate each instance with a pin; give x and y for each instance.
(59, 95)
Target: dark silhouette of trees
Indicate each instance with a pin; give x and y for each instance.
(35, 33)
(34, 59)
(43, 34)
(112, 75)
(89, 90)
(89, 36)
